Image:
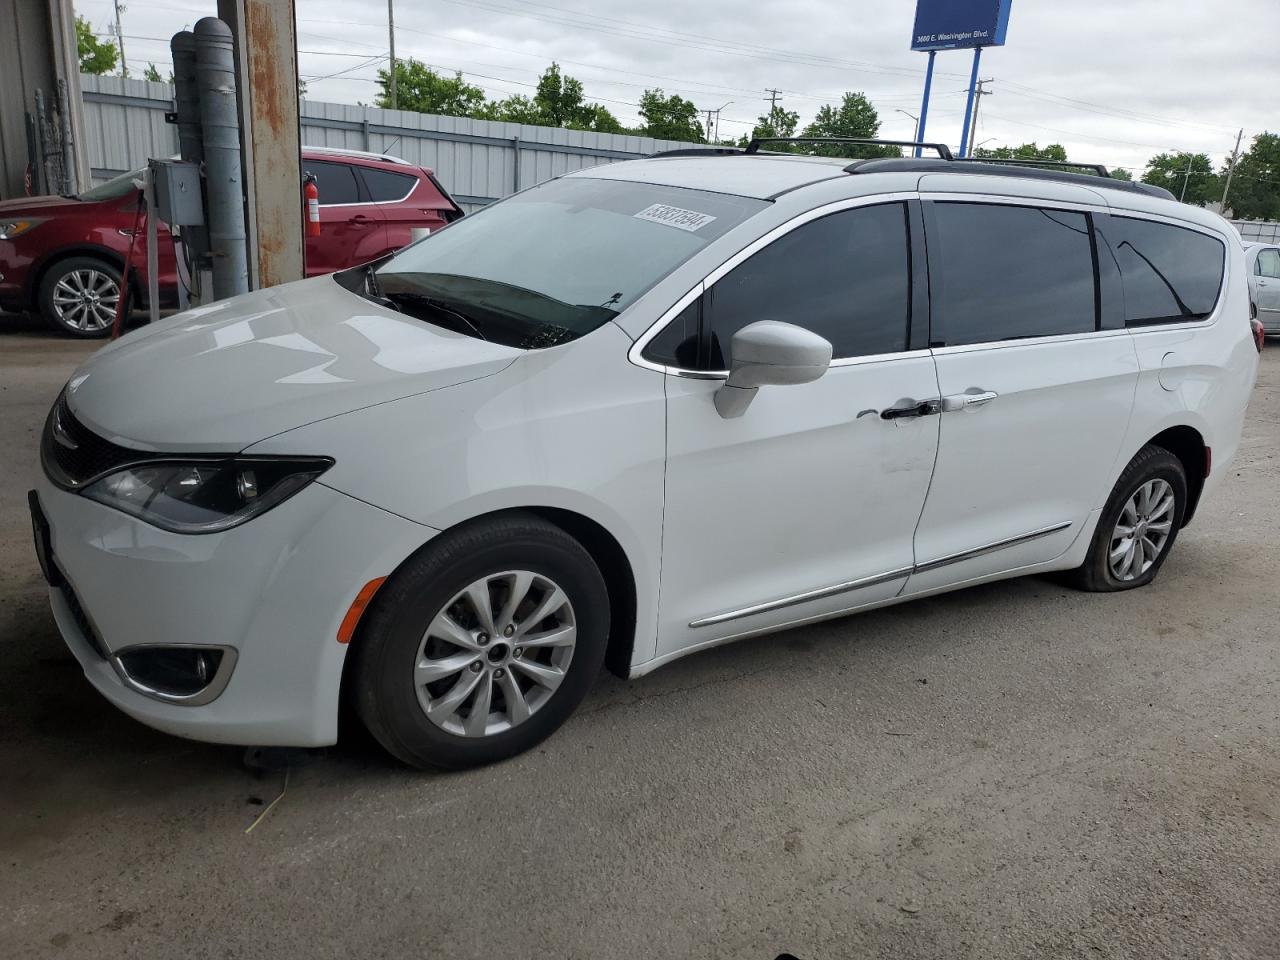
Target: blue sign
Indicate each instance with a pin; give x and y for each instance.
(957, 24)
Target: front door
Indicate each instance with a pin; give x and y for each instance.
(804, 506)
(1035, 394)
(1267, 278)
(352, 229)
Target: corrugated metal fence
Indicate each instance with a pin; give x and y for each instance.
(478, 161)
(1259, 231)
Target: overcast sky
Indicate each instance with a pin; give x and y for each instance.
(1114, 81)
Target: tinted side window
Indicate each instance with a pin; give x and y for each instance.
(385, 186)
(676, 345)
(335, 181)
(1269, 263)
(1169, 273)
(846, 277)
(1005, 272)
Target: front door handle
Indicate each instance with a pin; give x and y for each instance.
(358, 218)
(973, 397)
(909, 409)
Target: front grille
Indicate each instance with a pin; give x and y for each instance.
(82, 620)
(72, 454)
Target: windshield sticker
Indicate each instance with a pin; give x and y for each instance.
(681, 219)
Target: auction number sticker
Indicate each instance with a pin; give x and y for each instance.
(676, 217)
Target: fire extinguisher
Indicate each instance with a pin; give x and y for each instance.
(312, 194)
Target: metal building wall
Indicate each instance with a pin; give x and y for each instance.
(37, 46)
(478, 161)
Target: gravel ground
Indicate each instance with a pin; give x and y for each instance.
(1015, 770)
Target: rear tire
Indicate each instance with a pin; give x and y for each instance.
(443, 683)
(78, 296)
(1138, 525)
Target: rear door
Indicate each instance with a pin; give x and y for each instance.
(1266, 271)
(352, 228)
(1037, 385)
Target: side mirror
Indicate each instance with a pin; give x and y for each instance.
(765, 353)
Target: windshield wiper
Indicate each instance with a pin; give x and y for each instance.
(439, 306)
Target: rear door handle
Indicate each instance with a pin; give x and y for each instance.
(909, 409)
(358, 218)
(973, 397)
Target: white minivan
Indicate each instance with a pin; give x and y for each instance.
(625, 415)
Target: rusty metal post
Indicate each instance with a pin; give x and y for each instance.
(267, 66)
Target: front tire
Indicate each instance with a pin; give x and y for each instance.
(1138, 526)
(482, 645)
(78, 296)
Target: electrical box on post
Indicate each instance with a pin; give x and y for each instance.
(179, 199)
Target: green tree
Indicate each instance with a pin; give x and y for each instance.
(514, 109)
(778, 122)
(559, 98)
(420, 88)
(152, 74)
(561, 102)
(1255, 186)
(1120, 173)
(854, 117)
(669, 117)
(1055, 152)
(1188, 176)
(96, 56)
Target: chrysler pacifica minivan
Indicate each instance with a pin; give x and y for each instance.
(625, 415)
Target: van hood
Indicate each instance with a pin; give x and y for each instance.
(222, 377)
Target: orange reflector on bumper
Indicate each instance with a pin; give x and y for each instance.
(362, 600)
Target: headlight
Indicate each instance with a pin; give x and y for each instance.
(16, 228)
(205, 496)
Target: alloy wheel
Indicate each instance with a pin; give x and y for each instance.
(86, 299)
(1142, 530)
(495, 654)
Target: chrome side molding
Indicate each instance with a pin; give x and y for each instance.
(803, 597)
(879, 578)
(990, 547)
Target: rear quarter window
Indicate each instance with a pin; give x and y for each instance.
(387, 187)
(1170, 274)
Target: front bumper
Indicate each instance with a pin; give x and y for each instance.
(274, 590)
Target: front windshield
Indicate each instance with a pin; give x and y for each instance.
(555, 262)
(120, 186)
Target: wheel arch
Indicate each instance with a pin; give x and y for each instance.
(1187, 444)
(604, 548)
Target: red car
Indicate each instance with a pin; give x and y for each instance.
(63, 256)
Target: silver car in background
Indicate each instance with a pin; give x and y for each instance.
(1263, 261)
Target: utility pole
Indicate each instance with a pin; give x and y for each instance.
(391, 30)
(978, 94)
(773, 98)
(124, 64)
(1185, 177)
(1231, 169)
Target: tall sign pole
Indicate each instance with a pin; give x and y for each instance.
(968, 103)
(957, 25)
(924, 103)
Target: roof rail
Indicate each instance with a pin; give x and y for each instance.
(697, 152)
(1097, 168)
(999, 168)
(942, 149)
